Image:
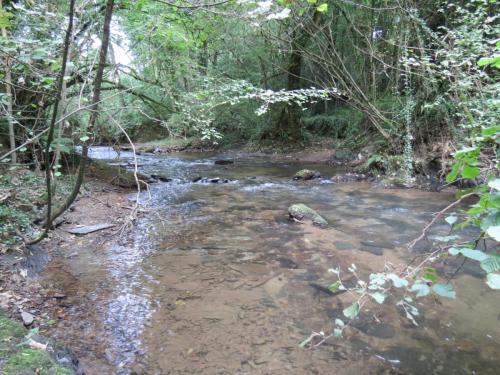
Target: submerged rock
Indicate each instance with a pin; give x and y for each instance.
(288, 263)
(117, 175)
(161, 178)
(211, 180)
(224, 162)
(306, 174)
(350, 177)
(300, 212)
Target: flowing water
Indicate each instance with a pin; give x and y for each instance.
(215, 279)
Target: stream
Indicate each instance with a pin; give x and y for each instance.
(215, 279)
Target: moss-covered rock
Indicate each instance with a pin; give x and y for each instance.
(301, 212)
(306, 174)
(117, 175)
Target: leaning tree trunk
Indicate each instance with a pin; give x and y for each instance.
(52, 125)
(94, 107)
(8, 91)
(96, 97)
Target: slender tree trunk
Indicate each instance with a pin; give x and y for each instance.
(52, 126)
(8, 91)
(62, 109)
(93, 114)
(289, 121)
(263, 70)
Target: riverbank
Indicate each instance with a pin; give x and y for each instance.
(23, 297)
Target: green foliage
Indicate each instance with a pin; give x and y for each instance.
(24, 193)
(344, 124)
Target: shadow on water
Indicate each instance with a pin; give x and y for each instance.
(215, 279)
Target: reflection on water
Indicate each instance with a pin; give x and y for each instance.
(215, 279)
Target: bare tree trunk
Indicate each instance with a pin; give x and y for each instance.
(8, 91)
(50, 135)
(289, 121)
(93, 114)
(60, 127)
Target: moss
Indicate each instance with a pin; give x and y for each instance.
(116, 175)
(11, 333)
(17, 360)
(28, 359)
(306, 174)
(33, 360)
(301, 211)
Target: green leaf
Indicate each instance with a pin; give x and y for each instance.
(335, 286)
(492, 220)
(470, 172)
(493, 280)
(378, 297)
(490, 131)
(494, 200)
(469, 253)
(397, 281)
(322, 8)
(306, 341)
(339, 323)
(452, 176)
(430, 275)
(491, 264)
(494, 232)
(452, 219)
(465, 150)
(39, 54)
(351, 311)
(495, 184)
(422, 289)
(444, 290)
(85, 138)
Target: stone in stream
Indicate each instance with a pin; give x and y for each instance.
(211, 180)
(288, 263)
(223, 162)
(161, 178)
(306, 174)
(300, 212)
(350, 177)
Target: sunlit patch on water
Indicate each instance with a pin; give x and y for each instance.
(267, 186)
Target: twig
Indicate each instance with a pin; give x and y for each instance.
(436, 218)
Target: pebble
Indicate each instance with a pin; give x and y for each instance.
(27, 318)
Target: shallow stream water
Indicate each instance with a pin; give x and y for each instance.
(215, 279)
